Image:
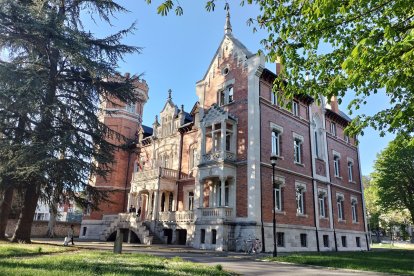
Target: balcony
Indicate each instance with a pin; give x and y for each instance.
(225, 213)
(179, 216)
(148, 179)
(219, 156)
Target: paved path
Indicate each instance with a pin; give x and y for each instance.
(236, 262)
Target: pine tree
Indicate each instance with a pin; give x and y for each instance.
(67, 73)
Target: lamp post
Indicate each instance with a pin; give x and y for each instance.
(273, 160)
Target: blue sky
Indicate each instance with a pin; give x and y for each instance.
(177, 50)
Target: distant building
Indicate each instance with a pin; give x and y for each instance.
(67, 211)
(203, 177)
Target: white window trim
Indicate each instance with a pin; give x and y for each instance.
(276, 127)
(281, 180)
(340, 196)
(302, 187)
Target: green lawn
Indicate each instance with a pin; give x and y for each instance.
(50, 260)
(385, 260)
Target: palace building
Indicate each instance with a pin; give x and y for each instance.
(204, 178)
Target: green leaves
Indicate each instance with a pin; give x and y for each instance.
(165, 7)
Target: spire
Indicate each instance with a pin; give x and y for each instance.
(169, 94)
(227, 27)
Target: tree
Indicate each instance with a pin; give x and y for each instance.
(366, 46)
(394, 176)
(56, 74)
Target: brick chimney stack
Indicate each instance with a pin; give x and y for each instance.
(334, 104)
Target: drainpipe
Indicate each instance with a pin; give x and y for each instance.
(261, 187)
(180, 157)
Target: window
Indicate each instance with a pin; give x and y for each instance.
(225, 96)
(84, 231)
(203, 236)
(273, 97)
(340, 206)
(295, 108)
(213, 236)
(280, 237)
(230, 90)
(333, 128)
(190, 200)
(358, 241)
(300, 200)
(303, 240)
(343, 239)
(350, 171)
(297, 151)
(276, 143)
(130, 108)
(325, 241)
(170, 202)
(354, 210)
(316, 144)
(346, 138)
(336, 166)
(278, 197)
(322, 205)
(222, 96)
(191, 163)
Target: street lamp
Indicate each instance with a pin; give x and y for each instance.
(273, 160)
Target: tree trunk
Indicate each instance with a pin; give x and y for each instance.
(5, 208)
(52, 220)
(24, 224)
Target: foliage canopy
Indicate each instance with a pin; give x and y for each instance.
(361, 46)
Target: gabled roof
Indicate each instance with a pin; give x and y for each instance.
(236, 42)
(146, 130)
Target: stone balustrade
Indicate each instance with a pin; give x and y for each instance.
(219, 156)
(178, 216)
(225, 213)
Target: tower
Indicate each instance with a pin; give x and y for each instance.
(124, 120)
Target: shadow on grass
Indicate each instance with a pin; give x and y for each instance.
(392, 261)
(98, 263)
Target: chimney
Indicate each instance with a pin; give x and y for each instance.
(279, 66)
(334, 104)
(127, 75)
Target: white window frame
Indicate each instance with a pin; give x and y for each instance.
(300, 190)
(337, 171)
(322, 204)
(354, 209)
(275, 142)
(333, 128)
(273, 97)
(295, 108)
(297, 147)
(340, 205)
(130, 107)
(230, 92)
(350, 170)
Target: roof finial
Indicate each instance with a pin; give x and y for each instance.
(227, 27)
(169, 94)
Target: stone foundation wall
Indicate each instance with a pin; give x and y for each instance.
(39, 228)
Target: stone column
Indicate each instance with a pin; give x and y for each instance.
(223, 138)
(201, 198)
(156, 205)
(167, 201)
(203, 141)
(223, 191)
(150, 206)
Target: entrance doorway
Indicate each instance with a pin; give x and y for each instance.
(182, 236)
(168, 233)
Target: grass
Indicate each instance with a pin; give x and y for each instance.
(394, 261)
(405, 246)
(52, 261)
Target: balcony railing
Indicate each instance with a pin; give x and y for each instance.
(178, 216)
(219, 156)
(154, 173)
(225, 213)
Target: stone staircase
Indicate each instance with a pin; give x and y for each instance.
(130, 221)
